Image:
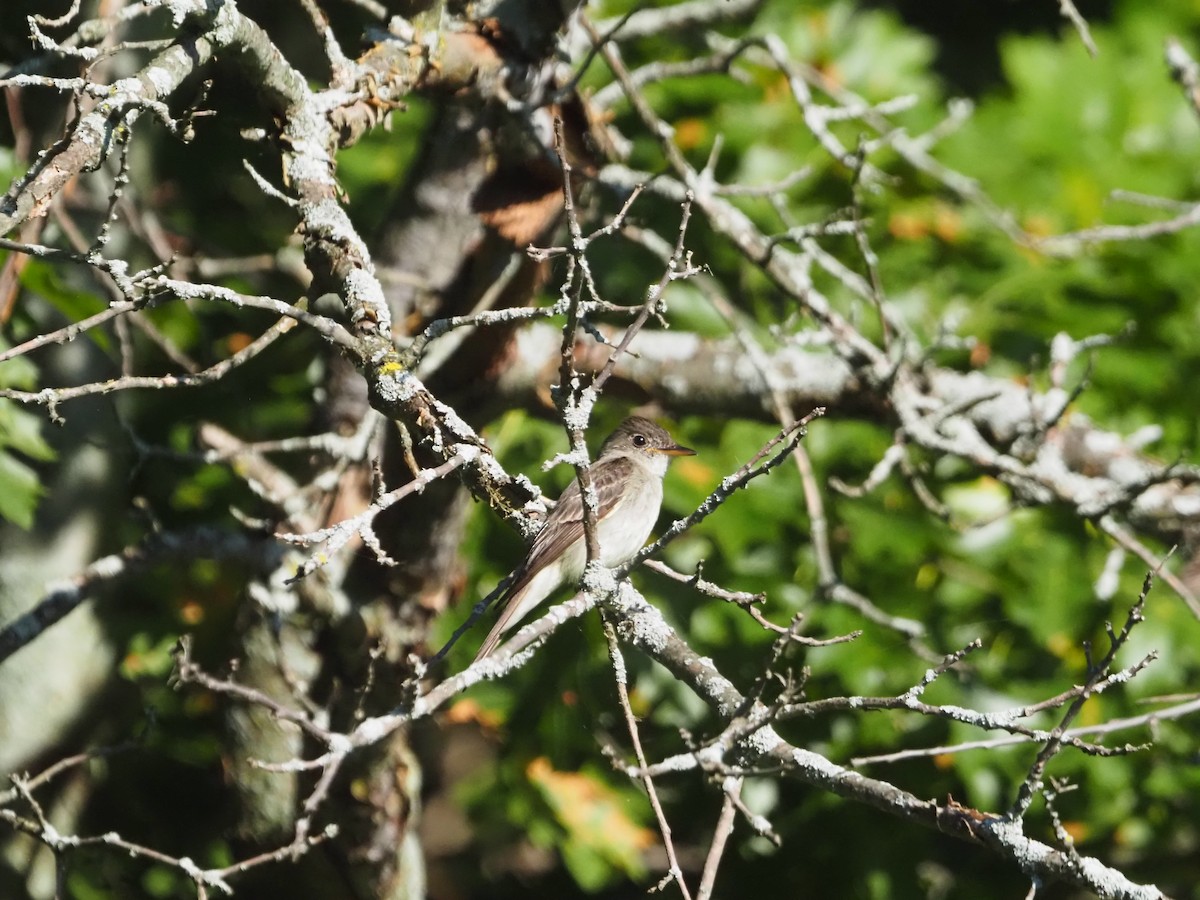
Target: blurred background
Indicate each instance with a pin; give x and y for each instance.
(508, 792)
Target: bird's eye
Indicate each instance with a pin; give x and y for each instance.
(639, 440)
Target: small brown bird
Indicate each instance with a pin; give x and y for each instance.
(627, 477)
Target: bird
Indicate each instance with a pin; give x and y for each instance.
(627, 477)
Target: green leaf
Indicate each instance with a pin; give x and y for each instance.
(19, 491)
(44, 279)
(601, 839)
(21, 431)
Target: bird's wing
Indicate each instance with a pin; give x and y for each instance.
(564, 526)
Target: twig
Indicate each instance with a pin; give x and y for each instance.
(731, 790)
(620, 677)
(1098, 674)
(789, 437)
(1071, 14)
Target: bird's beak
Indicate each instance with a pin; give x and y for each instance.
(676, 450)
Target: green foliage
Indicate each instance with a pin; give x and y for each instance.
(596, 834)
(73, 303)
(374, 168)
(1074, 130)
(595, 822)
(1064, 132)
(20, 436)
(1050, 145)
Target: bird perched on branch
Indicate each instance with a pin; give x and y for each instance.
(627, 477)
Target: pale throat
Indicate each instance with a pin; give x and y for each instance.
(656, 462)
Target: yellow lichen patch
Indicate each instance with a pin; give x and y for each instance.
(390, 366)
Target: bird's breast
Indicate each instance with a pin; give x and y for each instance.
(623, 532)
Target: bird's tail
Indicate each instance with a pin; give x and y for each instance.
(509, 603)
(490, 643)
